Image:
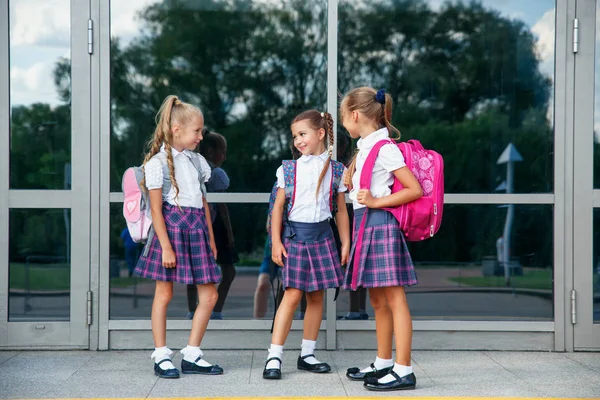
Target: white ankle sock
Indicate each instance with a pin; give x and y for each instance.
(163, 353)
(401, 370)
(275, 351)
(191, 353)
(308, 347)
(380, 363)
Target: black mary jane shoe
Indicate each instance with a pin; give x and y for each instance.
(408, 382)
(172, 373)
(272, 373)
(319, 368)
(354, 373)
(193, 368)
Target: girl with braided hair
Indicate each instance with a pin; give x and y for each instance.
(181, 246)
(303, 242)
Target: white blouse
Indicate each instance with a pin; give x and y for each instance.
(307, 206)
(186, 175)
(390, 158)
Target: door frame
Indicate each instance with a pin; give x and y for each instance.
(75, 332)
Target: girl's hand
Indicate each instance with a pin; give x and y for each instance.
(278, 252)
(213, 247)
(168, 258)
(345, 254)
(365, 197)
(347, 180)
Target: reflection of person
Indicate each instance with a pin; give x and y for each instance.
(358, 298)
(307, 252)
(366, 114)
(181, 246)
(131, 250)
(214, 149)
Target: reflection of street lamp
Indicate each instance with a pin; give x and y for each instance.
(509, 156)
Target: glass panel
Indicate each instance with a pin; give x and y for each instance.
(251, 66)
(39, 265)
(131, 297)
(596, 266)
(40, 94)
(467, 79)
(461, 273)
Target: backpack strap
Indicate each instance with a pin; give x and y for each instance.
(367, 170)
(194, 158)
(337, 171)
(289, 176)
(365, 183)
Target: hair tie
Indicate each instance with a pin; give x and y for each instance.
(330, 150)
(322, 115)
(380, 96)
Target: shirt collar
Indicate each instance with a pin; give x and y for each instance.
(368, 142)
(323, 157)
(174, 152)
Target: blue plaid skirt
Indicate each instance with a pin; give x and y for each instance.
(313, 262)
(384, 258)
(188, 234)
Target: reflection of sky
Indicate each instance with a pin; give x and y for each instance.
(40, 36)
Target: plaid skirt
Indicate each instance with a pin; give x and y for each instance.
(188, 234)
(384, 258)
(313, 262)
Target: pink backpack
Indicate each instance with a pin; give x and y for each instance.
(420, 219)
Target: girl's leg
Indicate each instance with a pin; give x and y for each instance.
(312, 323)
(383, 322)
(228, 271)
(261, 296)
(314, 314)
(192, 299)
(282, 325)
(207, 297)
(163, 293)
(396, 298)
(285, 315)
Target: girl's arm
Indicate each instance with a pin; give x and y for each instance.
(411, 192)
(277, 251)
(343, 225)
(211, 236)
(160, 228)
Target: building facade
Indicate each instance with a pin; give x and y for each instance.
(504, 90)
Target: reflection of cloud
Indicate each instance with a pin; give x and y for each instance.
(124, 21)
(33, 85)
(544, 30)
(45, 22)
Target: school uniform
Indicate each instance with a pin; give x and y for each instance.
(384, 259)
(313, 262)
(186, 224)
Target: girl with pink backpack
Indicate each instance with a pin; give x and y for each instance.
(180, 245)
(380, 260)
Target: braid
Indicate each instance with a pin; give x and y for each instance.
(171, 168)
(329, 136)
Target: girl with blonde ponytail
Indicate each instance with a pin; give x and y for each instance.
(384, 265)
(181, 246)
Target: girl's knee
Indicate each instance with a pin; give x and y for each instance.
(208, 295)
(315, 297)
(163, 294)
(293, 296)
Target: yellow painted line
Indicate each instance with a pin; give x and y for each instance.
(332, 398)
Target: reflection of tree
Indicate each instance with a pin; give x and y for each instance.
(465, 81)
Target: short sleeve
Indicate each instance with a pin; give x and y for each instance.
(280, 178)
(153, 172)
(206, 170)
(219, 181)
(342, 188)
(391, 158)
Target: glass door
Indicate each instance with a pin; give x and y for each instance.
(45, 176)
